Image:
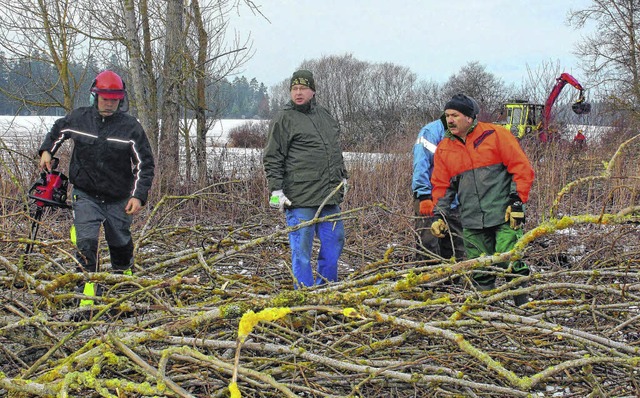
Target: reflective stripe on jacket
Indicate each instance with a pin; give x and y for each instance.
(111, 157)
(483, 170)
(423, 150)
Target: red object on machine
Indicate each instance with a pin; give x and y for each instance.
(579, 107)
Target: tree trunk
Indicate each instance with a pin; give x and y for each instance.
(200, 101)
(169, 153)
(141, 71)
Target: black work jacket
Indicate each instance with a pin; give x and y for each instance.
(111, 158)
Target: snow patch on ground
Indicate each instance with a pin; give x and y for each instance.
(24, 127)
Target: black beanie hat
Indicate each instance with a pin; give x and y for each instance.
(463, 104)
(303, 77)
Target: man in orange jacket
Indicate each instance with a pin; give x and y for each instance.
(484, 165)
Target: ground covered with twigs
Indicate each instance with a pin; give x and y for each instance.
(211, 306)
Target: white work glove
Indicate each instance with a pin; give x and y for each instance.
(345, 187)
(278, 200)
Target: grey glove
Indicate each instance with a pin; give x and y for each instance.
(278, 200)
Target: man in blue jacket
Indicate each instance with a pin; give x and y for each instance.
(428, 246)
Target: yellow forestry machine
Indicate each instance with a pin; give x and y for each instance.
(523, 117)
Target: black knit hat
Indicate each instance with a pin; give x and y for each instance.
(303, 77)
(463, 104)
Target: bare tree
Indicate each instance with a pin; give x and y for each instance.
(172, 78)
(141, 67)
(198, 54)
(210, 59)
(428, 103)
(340, 80)
(391, 87)
(611, 55)
(279, 95)
(387, 102)
(474, 80)
(369, 100)
(200, 100)
(343, 82)
(43, 33)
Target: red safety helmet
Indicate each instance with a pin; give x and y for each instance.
(108, 85)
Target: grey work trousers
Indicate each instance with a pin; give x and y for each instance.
(89, 213)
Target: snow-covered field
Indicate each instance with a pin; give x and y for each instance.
(21, 127)
(13, 128)
(592, 133)
(24, 134)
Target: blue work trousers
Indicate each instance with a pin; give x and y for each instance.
(331, 236)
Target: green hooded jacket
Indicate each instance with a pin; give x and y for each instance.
(303, 156)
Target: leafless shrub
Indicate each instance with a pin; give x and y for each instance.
(249, 135)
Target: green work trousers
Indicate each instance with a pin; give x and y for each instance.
(488, 241)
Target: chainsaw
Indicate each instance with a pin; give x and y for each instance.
(49, 191)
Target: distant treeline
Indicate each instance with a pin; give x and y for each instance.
(27, 88)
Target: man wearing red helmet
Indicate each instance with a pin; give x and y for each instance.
(111, 170)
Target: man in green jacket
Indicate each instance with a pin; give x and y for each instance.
(304, 166)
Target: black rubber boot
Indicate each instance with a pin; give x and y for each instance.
(486, 288)
(126, 271)
(521, 299)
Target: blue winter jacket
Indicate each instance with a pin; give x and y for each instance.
(424, 148)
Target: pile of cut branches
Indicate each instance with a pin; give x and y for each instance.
(187, 325)
(210, 310)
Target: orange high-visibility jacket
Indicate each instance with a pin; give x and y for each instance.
(485, 170)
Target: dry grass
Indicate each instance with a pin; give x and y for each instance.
(206, 258)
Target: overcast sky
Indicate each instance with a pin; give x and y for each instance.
(433, 38)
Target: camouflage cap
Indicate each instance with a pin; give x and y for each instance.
(303, 77)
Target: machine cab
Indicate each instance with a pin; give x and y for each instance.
(522, 117)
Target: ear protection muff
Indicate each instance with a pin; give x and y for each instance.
(93, 100)
(123, 106)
